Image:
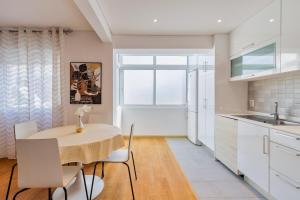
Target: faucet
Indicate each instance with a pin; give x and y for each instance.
(276, 115)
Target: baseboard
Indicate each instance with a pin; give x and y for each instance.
(256, 187)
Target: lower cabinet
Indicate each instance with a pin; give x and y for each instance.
(283, 188)
(226, 142)
(253, 153)
(271, 159)
(284, 166)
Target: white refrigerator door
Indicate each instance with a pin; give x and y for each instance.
(202, 135)
(192, 91)
(210, 108)
(192, 127)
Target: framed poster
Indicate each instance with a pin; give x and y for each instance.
(85, 82)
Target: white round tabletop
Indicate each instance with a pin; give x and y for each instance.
(95, 143)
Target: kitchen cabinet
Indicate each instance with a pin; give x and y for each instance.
(192, 106)
(284, 165)
(261, 28)
(253, 153)
(290, 31)
(201, 101)
(206, 103)
(192, 126)
(282, 188)
(226, 141)
(259, 61)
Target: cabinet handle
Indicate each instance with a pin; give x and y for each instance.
(264, 144)
(288, 182)
(287, 151)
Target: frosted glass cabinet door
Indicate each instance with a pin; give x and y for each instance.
(290, 42)
(255, 62)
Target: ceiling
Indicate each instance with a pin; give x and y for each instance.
(177, 17)
(135, 17)
(42, 13)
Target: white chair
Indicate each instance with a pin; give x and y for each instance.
(21, 131)
(120, 156)
(39, 166)
(98, 118)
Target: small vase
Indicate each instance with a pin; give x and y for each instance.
(80, 125)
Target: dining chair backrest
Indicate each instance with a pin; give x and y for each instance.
(98, 118)
(25, 129)
(38, 163)
(130, 138)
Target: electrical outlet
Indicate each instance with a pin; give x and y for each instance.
(251, 103)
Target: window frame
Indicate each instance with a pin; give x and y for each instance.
(154, 67)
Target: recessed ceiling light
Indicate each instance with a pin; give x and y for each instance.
(219, 20)
(271, 20)
(155, 20)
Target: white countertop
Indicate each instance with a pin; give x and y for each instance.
(293, 129)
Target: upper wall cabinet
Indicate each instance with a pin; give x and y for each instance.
(290, 35)
(256, 63)
(259, 30)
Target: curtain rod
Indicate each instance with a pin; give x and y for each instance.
(36, 30)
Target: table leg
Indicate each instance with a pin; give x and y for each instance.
(76, 190)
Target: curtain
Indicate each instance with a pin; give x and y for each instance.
(31, 77)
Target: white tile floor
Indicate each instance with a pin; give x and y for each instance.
(210, 179)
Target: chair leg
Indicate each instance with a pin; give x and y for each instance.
(91, 192)
(15, 196)
(102, 175)
(86, 192)
(133, 165)
(10, 180)
(130, 180)
(49, 194)
(66, 193)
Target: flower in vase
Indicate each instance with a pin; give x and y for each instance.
(83, 109)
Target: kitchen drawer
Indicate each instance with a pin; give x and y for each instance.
(285, 160)
(285, 139)
(282, 188)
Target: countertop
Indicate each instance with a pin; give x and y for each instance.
(293, 129)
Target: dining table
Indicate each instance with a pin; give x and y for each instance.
(95, 143)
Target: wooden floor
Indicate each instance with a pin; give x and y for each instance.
(159, 176)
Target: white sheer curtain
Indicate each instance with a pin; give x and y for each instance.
(30, 81)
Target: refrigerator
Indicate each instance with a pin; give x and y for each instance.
(192, 107)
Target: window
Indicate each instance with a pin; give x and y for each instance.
(138, 87)
(170, 87)
(154, 80)
(137, 60)
(171, 60)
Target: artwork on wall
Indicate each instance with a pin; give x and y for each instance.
(85, 82)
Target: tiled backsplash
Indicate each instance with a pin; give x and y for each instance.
(285, 90)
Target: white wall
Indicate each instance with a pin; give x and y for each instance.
(163, 42)
(86, 46)
(231, 97)
(155, 121)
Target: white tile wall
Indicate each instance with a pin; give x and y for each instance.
(285, 90)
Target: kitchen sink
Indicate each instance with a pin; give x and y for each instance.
(268, 120)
